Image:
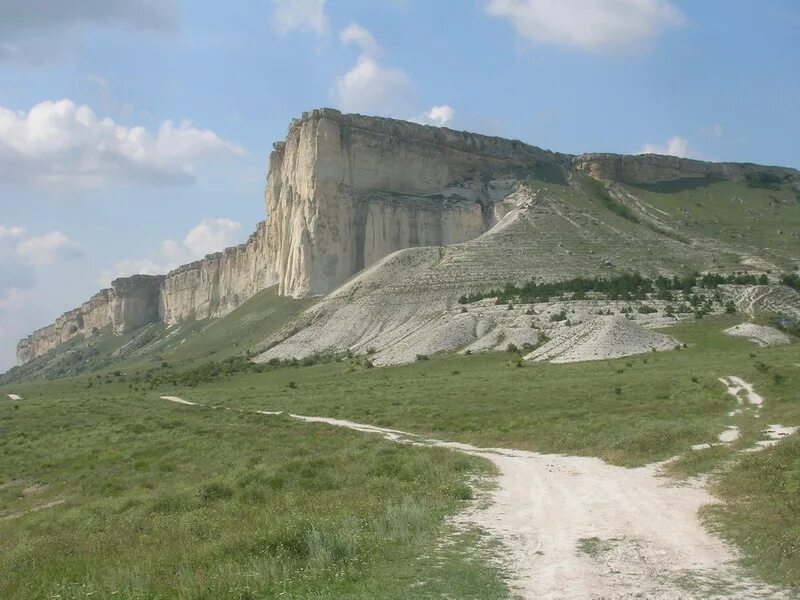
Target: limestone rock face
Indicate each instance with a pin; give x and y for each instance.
(208, 288)
(130, 303)
(654, 168)
(345, 190)
(134, 302)
(216, 285)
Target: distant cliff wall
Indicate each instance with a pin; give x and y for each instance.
(344, 191)
(130, 303)
(653, 168)
(216, 285)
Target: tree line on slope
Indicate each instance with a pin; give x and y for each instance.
(628, 286)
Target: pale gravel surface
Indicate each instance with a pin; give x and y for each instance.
(751, 403)
(763, 335)
(599, 339)
(741, 390)
(178, 400)
(545, 507)
(730, 435)
(774, 434)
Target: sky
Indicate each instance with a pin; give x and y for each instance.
(134, 134)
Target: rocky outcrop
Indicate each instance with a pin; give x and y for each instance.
(345, 191)
(130, 303)
(134, 302)
(655, 168)
(208, 288)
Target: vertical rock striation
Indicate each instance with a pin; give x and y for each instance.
(346, 190)
(214, 286)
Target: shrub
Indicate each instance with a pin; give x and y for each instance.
(792, 280)
(422, 357)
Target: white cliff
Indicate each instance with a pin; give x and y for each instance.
(346, 191)
(217, 284)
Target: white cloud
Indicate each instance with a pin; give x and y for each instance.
(57, 143)
(438, 115)
(594, 25)
(356, 34)
(19, 251)
(47, 249)
(209, 236)
(369, 87)
(13, 232)
(124, 268)
(674, 146)
(300, 14)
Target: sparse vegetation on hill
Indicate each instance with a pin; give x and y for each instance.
(598, 190)
(219, 341)
(623, 287)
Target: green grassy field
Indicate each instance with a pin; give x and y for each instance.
(761, 511)
(732, 212)
(163, 500)
(114, 495)
(628, 411)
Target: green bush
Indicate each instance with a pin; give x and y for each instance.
(792, 280)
